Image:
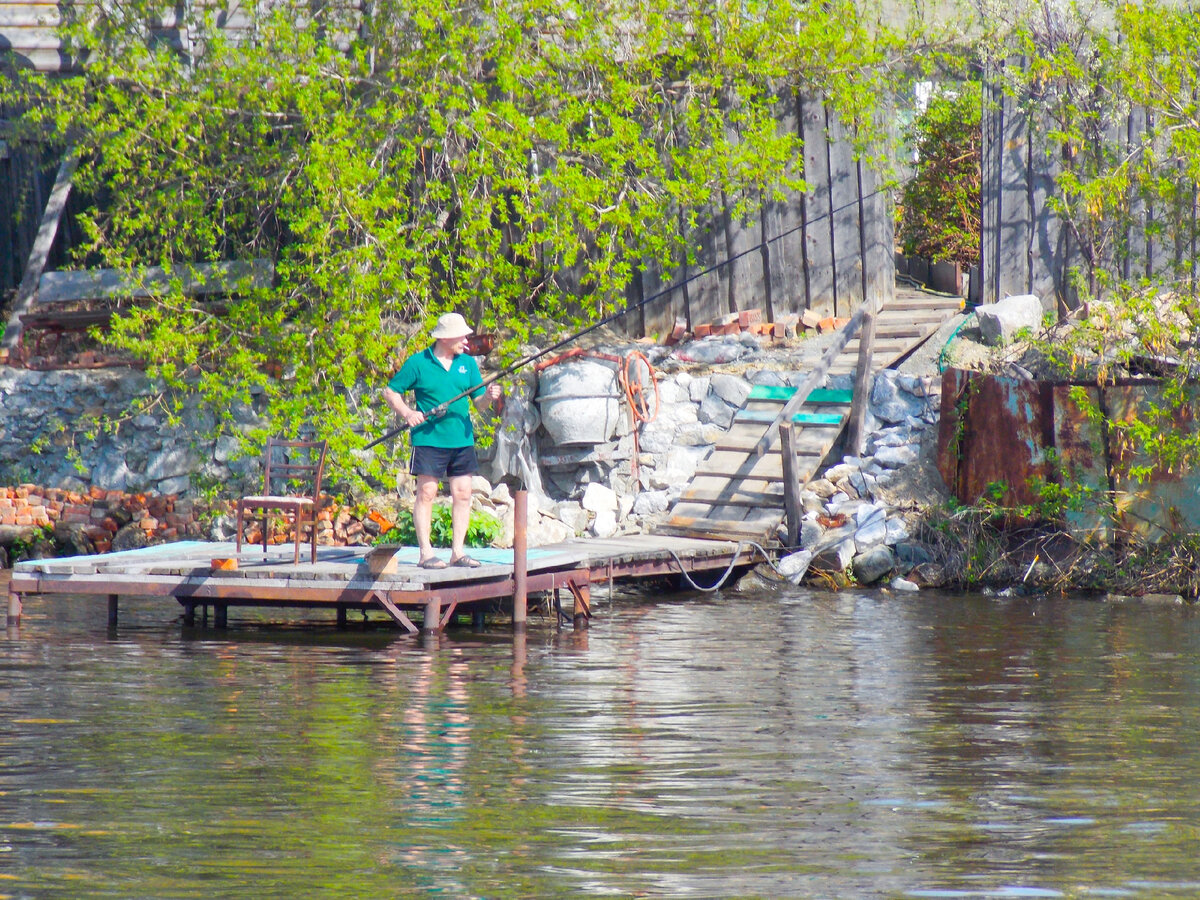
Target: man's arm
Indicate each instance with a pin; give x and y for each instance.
(412, 417)
(488, 397)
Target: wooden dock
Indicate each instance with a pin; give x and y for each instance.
(193, 574)
(738, 491)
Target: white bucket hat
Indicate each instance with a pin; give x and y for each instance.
(451, 325)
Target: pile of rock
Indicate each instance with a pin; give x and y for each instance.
(859, 512)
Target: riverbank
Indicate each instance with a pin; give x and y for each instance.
(884, 517)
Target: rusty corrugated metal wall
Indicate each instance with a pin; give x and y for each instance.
(1011, 432)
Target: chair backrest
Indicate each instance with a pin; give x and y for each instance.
(294, 468)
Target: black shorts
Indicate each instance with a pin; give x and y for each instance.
(443, 462)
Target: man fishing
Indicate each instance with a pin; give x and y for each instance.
(441, 378)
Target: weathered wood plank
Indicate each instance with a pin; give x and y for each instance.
(732, 494)
(847, 231)
(153, 281)
(812, 442)
(27, 291)
(818, 228)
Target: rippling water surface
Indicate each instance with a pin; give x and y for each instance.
(775, 745)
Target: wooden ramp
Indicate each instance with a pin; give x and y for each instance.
(738, 494)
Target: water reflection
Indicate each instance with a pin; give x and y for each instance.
(848, 745)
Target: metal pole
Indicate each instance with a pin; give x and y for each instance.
(433, 615)
(520, 539)
(112, 610)
(14, 607)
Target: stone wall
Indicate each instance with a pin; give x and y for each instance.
(46, 439)
(620, 480)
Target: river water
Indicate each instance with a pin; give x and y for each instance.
(795, 744)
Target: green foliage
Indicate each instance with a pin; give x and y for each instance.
(482, 529)
(23, 544)
(511, 161)
(938, 216)
(1088, 69)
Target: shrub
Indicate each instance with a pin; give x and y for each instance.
(938, 215)
(482, 529)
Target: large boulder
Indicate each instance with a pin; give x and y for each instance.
(1000, 322)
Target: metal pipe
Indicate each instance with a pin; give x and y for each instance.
(112, 610)
(433, 615)
(520, 570)
(14, 607)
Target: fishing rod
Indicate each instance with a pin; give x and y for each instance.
(441, 409)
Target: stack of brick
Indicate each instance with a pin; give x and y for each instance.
(750, 321)
(99, 513)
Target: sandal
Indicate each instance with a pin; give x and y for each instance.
(432, 563)
(466, 562)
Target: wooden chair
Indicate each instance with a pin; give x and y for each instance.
(292, 473)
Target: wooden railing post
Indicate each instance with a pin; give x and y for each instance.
(40, 252)
(855, 431)
(791, 484)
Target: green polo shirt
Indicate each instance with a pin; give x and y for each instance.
(431, 384)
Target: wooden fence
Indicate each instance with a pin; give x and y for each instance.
(824, 250)
(1027, 247)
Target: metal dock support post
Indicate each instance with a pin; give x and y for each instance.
(520, 539)
(14, 607)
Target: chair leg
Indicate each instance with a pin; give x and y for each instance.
(266, 529)
(240, 519)
(299, 519)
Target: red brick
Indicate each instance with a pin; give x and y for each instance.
(69, 518)
(110, 525)
(748, 317)
(148, 523)
(114, 497)
(8, 517)
(6, 503)
(24, 520)
(102, 545)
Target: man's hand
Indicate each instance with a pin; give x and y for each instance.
(413, 417)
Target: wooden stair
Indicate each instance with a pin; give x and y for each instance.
(737, 494)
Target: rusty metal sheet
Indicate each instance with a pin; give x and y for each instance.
(954, 386)
(998, 434)
(1166, 501)
(1082, 457)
